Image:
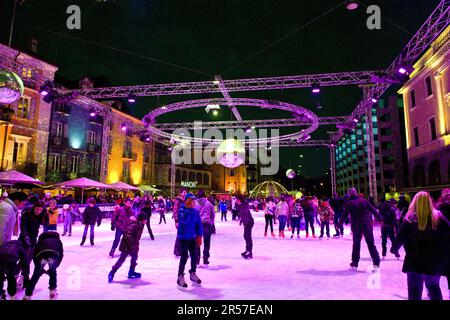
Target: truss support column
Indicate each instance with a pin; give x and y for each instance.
(105, 149)
(333, 169)
(173, 169)
(371, 166)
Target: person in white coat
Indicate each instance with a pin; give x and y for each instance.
(9, 214)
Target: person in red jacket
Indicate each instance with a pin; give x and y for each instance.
(119, 222)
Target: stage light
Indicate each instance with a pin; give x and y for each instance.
(92, 114)
(355, 120)
(124, 127)
(248, 129)
(215, 113)
(374, 100)
(315, 89)
(405, 69)
(215, 108)
(43, 90)
(131, 98)
(147, 139)
(351, 5)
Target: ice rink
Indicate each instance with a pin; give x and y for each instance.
(282, 269)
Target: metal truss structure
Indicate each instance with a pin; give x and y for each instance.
(217, 86)
(308, 119)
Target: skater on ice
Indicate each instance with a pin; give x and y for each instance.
(246, 219)
(189, 234)
(129, 246)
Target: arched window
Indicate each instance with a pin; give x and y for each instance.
(419, 176)
(206, 179)
(434, 173)
(198, 178)
(184, 176)
(191, 176)
(178, 176)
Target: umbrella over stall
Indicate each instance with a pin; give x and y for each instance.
(13, 177)
(82, 183)
(119, 185)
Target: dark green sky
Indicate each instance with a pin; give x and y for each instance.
(212, 37)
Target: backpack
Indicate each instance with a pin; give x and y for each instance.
(298, 211)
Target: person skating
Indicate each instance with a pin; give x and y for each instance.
(309, 209)
(296, 216)
(147, 209)
(269, 212)
(361, 211)
(444, 208)
(326, 216)
(189, 233)
(48, 251)
(51, 219)
(9, 214)
(129, 246)
(388, 214)
(282, 212)
(66, 214)
(91, 216)
(337, 204)
(223, 210)
(119, 222)
(207, 215)
(160, 206)
(12, 254)
(177, 205)
(425, 235)
(247, 220)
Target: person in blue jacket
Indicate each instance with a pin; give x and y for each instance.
(190, 232)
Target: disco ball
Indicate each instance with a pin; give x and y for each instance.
(231, 153)
(290, 174)
(11, 87)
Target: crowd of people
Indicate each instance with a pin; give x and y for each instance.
(422, 227)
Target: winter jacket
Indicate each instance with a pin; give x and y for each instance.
(270, 209)
(177, 205)
(121, 218)
(244, 213)
(297, 211)
(189, 224)
(7, 221)
(222, 206)
(326, 213)
(308, 208)
(282, 209)
(388, 214)
(427, 252)
(337, 203)
(92, 215)
(131, 236)
(49, 242)
(206, 210)
(445, 210)
(29, 226)
(52, 216)
(160, 206)
(13, 252)
(360, 211)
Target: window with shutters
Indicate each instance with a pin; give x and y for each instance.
(23, 108)
(55, 162)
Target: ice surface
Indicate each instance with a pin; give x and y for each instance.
(282, 269)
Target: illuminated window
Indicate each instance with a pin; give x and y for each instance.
(26, 73)
(23, 108)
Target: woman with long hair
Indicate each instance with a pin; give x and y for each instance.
(425, 235)
(269, 212)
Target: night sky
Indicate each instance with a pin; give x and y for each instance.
(119, 41)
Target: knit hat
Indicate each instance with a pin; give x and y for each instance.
(190, 195)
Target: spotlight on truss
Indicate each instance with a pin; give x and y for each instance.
(213, 108)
